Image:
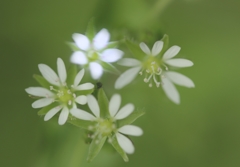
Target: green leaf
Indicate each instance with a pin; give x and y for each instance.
(119, 149)
(44, 110)
(71, 74)
(84, 92)
(130, 119)
(95, 147)
(109, 67)
(80, 123)
(90, 33)
(135, 49)
(165, 40)
(112, 45)
(73, 46)
(42, 81)
(103, 103)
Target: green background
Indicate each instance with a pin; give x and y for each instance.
(203, 131)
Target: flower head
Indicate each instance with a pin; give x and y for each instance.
(95, 52)
(155, 68)
(59, 95)
(108, 126)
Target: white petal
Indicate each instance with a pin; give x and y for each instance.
(179, 79)
(125, 111)
(179, 62)
(157, 47)
(49, 74)
(61, 70)
(111, 55)
(125, 143)
(52, 112)
(171, 52)
(129, 62)
(131, 130)
(96, 70)
(145, 48)
(39, 91)
(81, 99)
(126, 77)
(63, 116)
(114, 104)
(170, 90)
(79, 58)
(42, 102)
(81, 114)
(81, 41)
(101, 39)
(93, 105)
(85, 86)
(79, 77)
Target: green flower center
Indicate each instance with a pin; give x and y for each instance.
(152, 67)
(92, 55)
(106, 127)
(64, 95)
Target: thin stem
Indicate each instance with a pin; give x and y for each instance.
(158, 9)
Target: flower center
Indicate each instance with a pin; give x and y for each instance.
(92, 54)
(64, 95)
(106, 127)
(152, 68)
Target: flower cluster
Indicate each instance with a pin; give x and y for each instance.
(64, 95)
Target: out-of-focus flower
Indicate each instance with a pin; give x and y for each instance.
(96, 53)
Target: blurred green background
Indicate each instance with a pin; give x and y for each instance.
(203, 131)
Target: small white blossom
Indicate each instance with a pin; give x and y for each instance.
(156, 70)
(59, 92)
(108, 126)
(93, 52)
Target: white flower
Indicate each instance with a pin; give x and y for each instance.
(65, 97)
(156, 70)
(107, 126)
(94, 52)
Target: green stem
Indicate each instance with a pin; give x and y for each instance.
(158, 9)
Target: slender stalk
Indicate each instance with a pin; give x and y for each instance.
(158, 9)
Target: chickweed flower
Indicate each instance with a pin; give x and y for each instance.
(108, 126)
(57, 94)
(155, 68)
(96, 53)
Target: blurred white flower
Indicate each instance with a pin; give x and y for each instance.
(59, 92)
(156, 70)
(93, 52)
(108, 126)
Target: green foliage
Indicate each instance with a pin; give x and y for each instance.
(73, 46)
(90, 33)
(103, 103)
(165, 40)
(44, 110)
(95, 147)
(130, 119)
(84, 92)
(135, 49)
(109, 67)
(112, 45)
(119, 149)
(71, 74)
(42, 81)
(80, 123)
